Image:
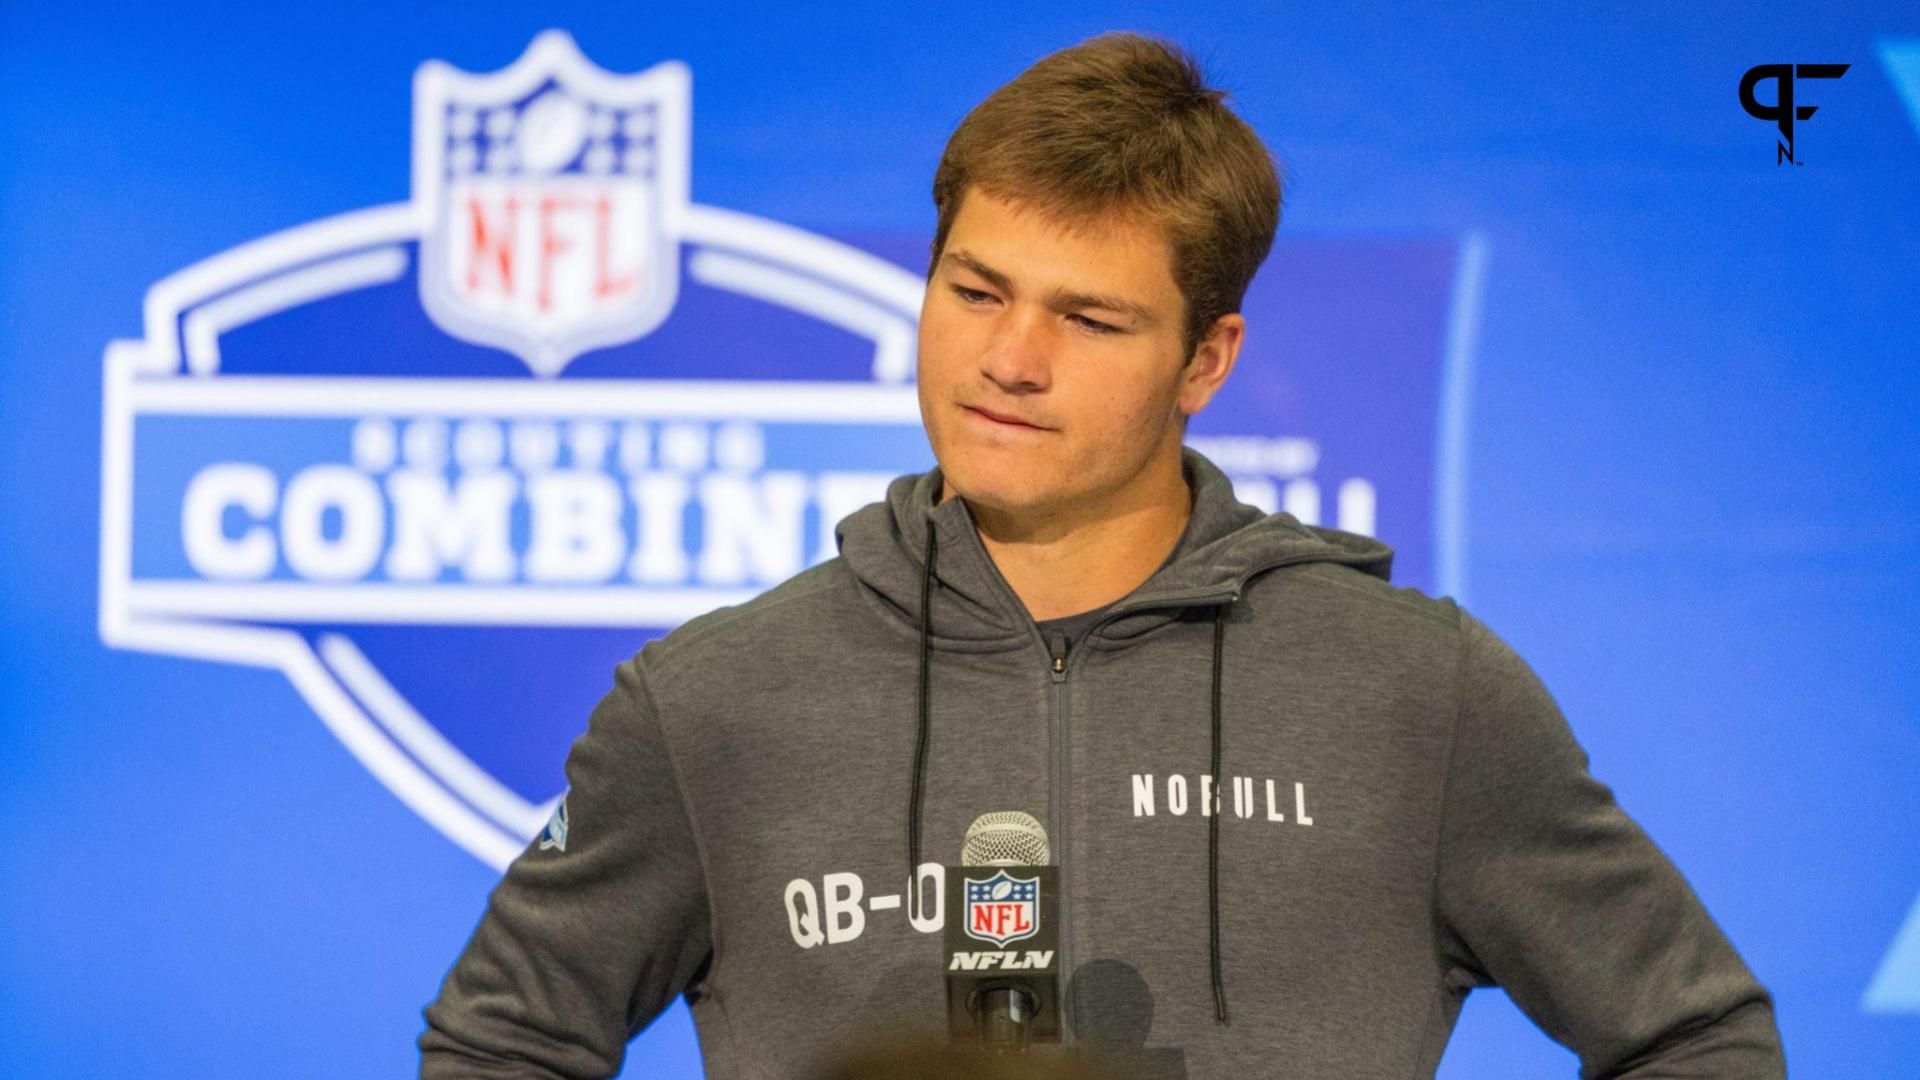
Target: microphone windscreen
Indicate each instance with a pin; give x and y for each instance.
(1006, 838)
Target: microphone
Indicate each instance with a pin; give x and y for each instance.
(1001, 997)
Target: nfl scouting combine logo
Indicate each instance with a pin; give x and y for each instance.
(444, 462)
(345, 451)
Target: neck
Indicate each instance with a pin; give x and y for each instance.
(1064, 561)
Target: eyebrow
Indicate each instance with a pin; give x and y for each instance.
(1059, 299)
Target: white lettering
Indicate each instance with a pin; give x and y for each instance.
(213, 490)
(1282, 456)
(1212, 798)
(929, 880)
(424, 445)
(803, 913)
(1263, 494)
(683, 447)
(375, 444)
(534, 446)
(350, 494)
(660, 553)
(477, 444)
(576, 527)
(434, 526)
(846, 919)
(752, 531)
(1301, 498)
(1357, 506)
(636, 446)
(487, 501)
(1142, 794)
(740, 447)
(587, 441)
(1033, 960)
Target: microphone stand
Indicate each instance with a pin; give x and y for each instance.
(1002, 1019)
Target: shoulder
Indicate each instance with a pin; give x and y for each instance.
(1353, 623)
(1403, 628)
(1343, 593)
(808, 603)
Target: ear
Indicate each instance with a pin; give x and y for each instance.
(1211, 363)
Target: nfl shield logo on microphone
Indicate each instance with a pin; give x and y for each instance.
(1002, 909)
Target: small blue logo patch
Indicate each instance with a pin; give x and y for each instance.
(555, 834)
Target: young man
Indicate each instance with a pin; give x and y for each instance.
(1073, 617)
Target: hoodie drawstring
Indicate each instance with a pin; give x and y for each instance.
(920, 770)
(1213, 827)
(920, 737)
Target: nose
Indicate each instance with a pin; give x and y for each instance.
(1019, 356)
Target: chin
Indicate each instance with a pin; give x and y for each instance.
(982, 484)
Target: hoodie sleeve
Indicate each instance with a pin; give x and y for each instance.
(1547, 889)
(582, 945)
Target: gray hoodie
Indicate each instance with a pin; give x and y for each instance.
(1402, 815)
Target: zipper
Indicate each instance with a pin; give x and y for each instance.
(1056, 655)
(1060, 834)
(1063, 817)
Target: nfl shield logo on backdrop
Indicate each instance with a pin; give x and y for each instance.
(553, 193)
(1002, 909)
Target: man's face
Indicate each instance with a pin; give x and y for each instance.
(1052, 374)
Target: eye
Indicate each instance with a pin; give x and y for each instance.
(971, 296)
(1095, 326)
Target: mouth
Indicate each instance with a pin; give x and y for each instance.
(1001, 420)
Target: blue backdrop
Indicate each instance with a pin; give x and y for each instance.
(1548, 314)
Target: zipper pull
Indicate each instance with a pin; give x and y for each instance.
(1059, 653)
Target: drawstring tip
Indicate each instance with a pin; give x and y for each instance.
(1220, 1006)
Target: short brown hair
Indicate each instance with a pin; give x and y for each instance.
(1123, 123)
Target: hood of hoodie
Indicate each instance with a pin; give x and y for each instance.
(1226, 543)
